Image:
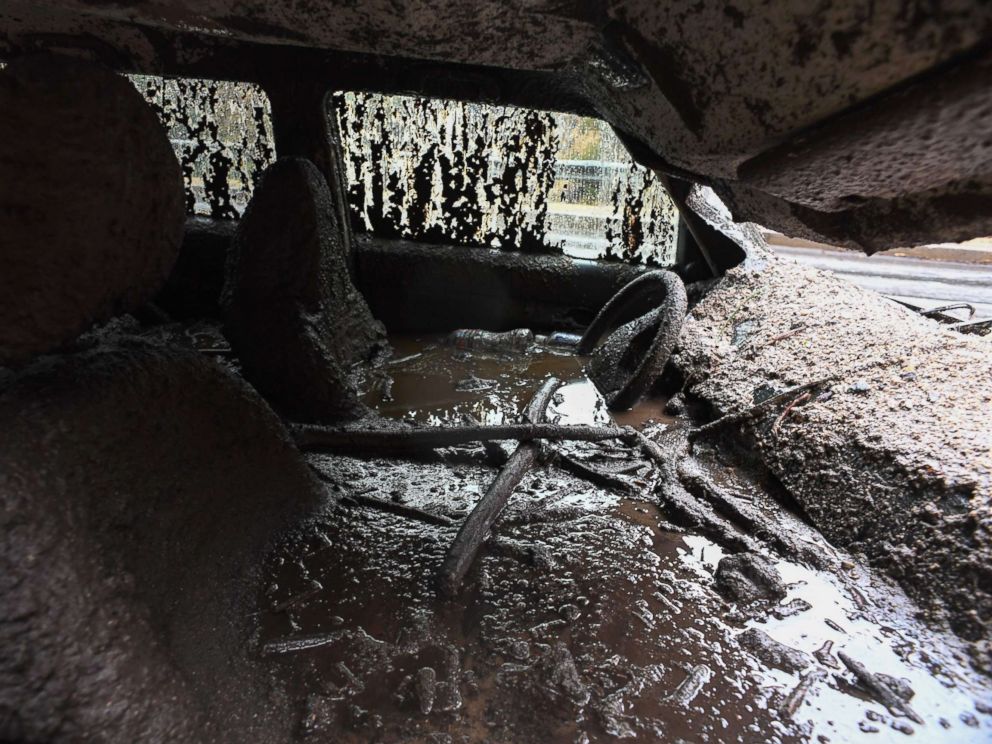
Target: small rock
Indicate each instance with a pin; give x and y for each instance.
(559, 678)
(860, 387)
(771, 652)
(447, 697)
(520, 650)
(747, 577)
(675, 405)
(791, 608)
(898, 685)
(473, 384)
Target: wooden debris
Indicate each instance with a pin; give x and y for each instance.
(795, 698)
(686, 508)
(732, 418)
(398, 440)
(686, 692)
(401, 510)
(292, 644)
(287, 604)
(476, 527)
(595, 476)
(880, 689)
(797, 401)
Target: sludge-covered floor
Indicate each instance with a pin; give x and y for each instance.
(589, 615)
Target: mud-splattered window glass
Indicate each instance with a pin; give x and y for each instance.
(501, 177)
(222, 135)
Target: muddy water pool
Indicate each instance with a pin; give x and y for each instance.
(589, 616)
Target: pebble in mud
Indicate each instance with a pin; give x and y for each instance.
(748, 577)
(675, 405)
(772, 653)
(559, 678)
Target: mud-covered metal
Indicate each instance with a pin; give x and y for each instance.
(498, 176)
(222, 135)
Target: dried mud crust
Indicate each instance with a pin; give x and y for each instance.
(890, 454)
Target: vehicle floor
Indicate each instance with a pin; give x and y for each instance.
(590, 615)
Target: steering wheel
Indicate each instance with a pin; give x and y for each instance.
(625, 366)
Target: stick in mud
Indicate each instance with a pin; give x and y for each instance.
(292, 644)
(747, 413)
(686, 692)
(477, 525)
(594, 475)
(382, 441)
(880, 689)
(795, 698)
(400, 510)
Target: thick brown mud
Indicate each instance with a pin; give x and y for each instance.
(589, 616)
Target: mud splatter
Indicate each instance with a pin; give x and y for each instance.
(589, 618)
(222, 135)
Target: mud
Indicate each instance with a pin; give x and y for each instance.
(886, 452)
(481, 177)
(591, 616)
(142, 486)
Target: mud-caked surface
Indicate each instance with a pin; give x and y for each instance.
(91, 202)
(141, 487)
(589, 614)
(890, 452)
(291, 311)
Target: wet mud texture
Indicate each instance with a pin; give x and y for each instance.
(290, 310)
(889, 453)
(589, 616)
(141, 488)
(91, 202)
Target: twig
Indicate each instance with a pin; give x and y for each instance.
(392, 507)
(747, 413)
(795, 698)
(377, 441)
(477, 525)
(798, 400)
(292, 644)
(594, 475)
(880, 689)
(689, 510)
(401, 510)
(688, 688)
(782, 336)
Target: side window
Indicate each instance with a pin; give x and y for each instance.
(500, 177)
(222, 135)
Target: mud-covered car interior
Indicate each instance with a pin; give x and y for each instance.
(416, 371)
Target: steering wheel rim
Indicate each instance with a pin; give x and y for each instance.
(625, 366)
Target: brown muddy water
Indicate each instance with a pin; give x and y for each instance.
(588, 616)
